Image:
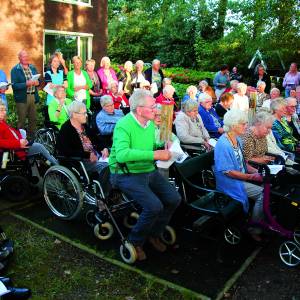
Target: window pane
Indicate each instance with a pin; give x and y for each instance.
(64, 43)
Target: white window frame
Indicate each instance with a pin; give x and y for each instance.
(71, 33)
(74, 2)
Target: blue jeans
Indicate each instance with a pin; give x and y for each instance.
(157, 197)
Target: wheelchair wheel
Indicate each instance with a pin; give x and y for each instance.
(130, 220)
(289, 253)
(128, 253)
(47, 139)
(232, 235)
(168, 236)
(103, 231)
(15, 188)
(62, 192)
(297, 236)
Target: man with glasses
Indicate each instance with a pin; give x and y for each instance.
(133, 171)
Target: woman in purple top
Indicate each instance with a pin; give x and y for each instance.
(106, 74)
(291, 79)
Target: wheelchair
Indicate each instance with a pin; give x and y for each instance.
(47, 135)
(68, 188)
(17, 177)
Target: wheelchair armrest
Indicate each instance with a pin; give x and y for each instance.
(68, 158)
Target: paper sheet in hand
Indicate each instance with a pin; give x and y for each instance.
(101, 159)
(212, 142)
(120, 86)
(35, 77)
(4, 85)
(274, 169)
(3, 289)
(154, 88)
(48, 89)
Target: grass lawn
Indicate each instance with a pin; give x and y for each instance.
(54, 269)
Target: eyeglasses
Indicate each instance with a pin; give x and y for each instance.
(292, 106)
(147, 88)
(81, 113)
(152, 107)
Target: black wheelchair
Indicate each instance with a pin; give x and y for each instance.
(68, 189)
(19, 177)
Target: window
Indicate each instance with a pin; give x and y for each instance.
(76, 2)
(69, 43)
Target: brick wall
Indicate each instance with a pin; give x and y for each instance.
(23, 22)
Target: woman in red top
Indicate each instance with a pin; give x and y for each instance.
(120, 100)
(11, 139)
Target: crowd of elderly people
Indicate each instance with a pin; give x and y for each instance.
(127, 108)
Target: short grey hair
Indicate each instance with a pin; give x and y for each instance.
(57, 88)
(276, 104)
(275, 90)
(105, 100)
(75, 107)
(263, 117)
(242, 87)
(203, 83)
(167, 81)
(139, 62)
(168, 89)
(234, 117)
(203, 97)
(289, 99)
(260, 82)
(139, 98)
(155, 61)
(189, 105)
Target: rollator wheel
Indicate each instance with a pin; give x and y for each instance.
(62, 192)
(130, 220)
(168, 236)
(128, 253)
(289, 253)
(297, 236)
(90, 218)
(15, 188)
(103, 231)
(232, 235)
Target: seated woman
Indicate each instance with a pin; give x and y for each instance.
(231, 170)
(108, 117)
(240, 100)
(57, 109)
(75, 140)
(119, 98)
(189, 125)
(255, 145)
(191, 93)
(224, 105)
(261, 95)
(11, 139)
(211, 120)
(281, 129)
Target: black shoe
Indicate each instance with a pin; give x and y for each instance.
(17, 294)
(6, 281)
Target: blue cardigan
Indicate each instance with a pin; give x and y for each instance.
(18, 81)
(208, 121)
(225, 160)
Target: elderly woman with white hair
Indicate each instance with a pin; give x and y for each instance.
(57, 109)
(108, 117)
(261, 95)
(76, 140)
(166, 97)
(138, 75)
(155, 75)
(106, 74)
(189, 125)
(240, 100)
(292, 118)
(211, 120)
(191, 94)
(133, 171)
(231, 169)
(274, 94)
(124, 76)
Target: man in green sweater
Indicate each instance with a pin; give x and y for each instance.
(133, 171)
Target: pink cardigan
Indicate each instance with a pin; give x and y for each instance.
(103, 77)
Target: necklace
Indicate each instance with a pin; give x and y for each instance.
(235, 145)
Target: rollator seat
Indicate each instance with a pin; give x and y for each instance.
(210, 204)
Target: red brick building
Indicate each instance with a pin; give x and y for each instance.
(76, 27)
